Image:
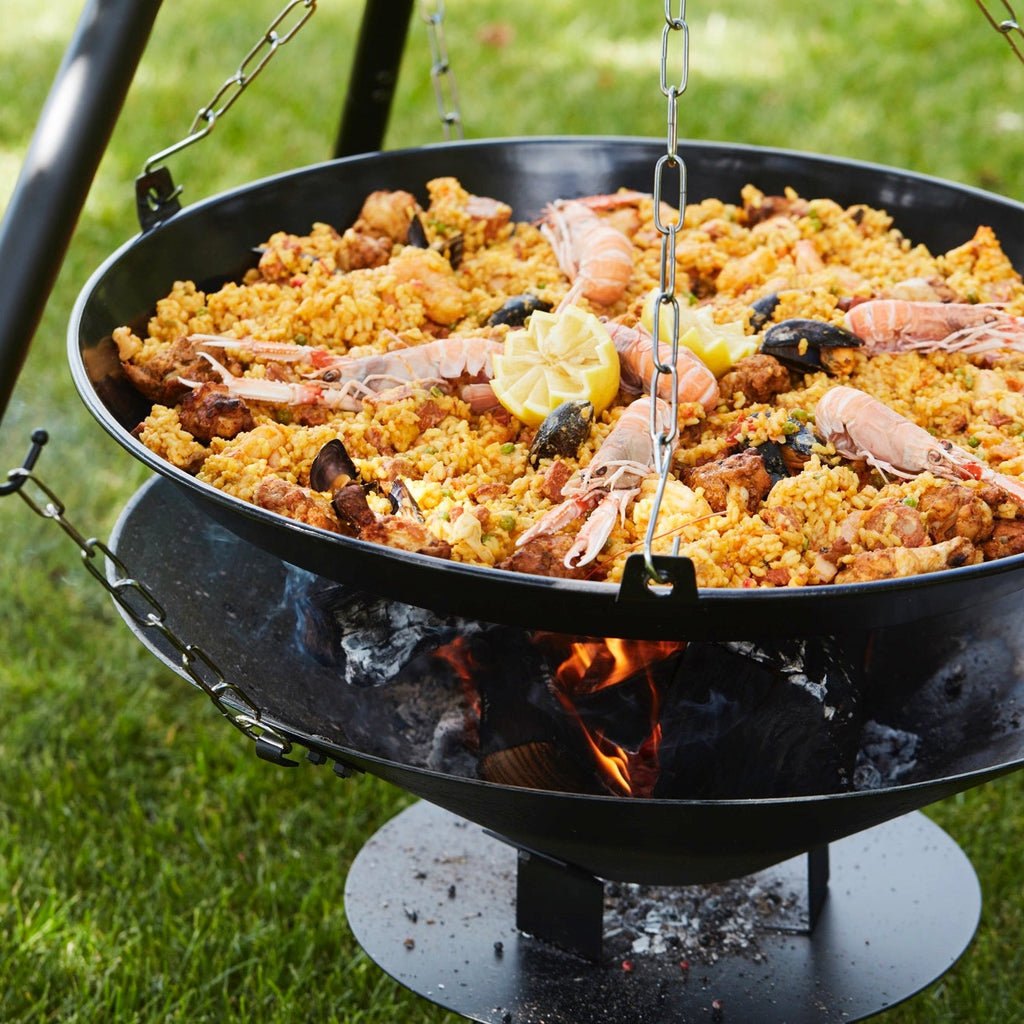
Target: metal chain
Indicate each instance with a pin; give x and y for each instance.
(142, 608)
(441, 70)
(1008, 27)
(664, 436)
(252, 64)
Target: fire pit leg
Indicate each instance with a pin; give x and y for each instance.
(817, 884)
(559, 903)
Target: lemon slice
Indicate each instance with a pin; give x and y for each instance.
(720, 346)
(558, 358)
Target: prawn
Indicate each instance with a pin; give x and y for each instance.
(900, 325)
(596, 257)
(635, 345)
(606, 486)
(861, 427)
(343, 381)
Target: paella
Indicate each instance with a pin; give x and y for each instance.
(441, 378)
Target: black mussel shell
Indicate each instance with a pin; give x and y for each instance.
(450, 248)
(774, 462)
(517, 310)
(332, 468)
(402, 502)
(563, 431)
(786, 458)
(798, 343)
(762, 310)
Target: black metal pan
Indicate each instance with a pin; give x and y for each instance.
(212, 241)
(953, 681)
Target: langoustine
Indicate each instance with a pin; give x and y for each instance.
(604, 488)
(902, 325)
(341, 382)
(596, 257)
(635, 345)
(859, 426)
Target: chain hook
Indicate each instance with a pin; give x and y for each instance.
(17, 477)
(664, 436)
(140, 605)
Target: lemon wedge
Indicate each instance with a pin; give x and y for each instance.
(719, 346)
(558, 357)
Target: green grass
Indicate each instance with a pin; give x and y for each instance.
(151, 868)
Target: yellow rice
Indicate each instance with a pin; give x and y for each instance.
(452, 466)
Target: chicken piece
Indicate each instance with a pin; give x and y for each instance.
(758, 207)
(890, 563)
(873, 529)
(387, 214)
(891, 518)
(406, 535)
(212, 411)
(956, 511)
(295, 502)
(1007, 539)
(545, 556)
(741, 476)
(492, 213)
(758, 377)
(157, 376)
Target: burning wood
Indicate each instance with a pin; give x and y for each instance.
(594, 716)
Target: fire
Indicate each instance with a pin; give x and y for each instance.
(585, 667)
(596, 664)
(593, 664)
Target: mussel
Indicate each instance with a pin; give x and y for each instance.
(762, 310)
(810, 345)
(332, 468)
(402, 502)
(516, 310)
(334, 471)
(562, 431)
(785, 459)
(450, 248)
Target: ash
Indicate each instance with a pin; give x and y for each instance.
(699, 925)
(885, 756)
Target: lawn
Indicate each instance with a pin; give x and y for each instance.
(151, 867)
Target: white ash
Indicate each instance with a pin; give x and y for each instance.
(698, 924)
(885, 756)
(448, 750)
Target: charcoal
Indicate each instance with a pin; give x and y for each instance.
(753, 721)
(369, 640)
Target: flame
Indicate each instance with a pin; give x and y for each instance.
(595, 664)
(586, 666)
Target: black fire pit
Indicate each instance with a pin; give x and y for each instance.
(934, 716)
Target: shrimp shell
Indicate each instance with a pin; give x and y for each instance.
(859, 426)
(635, 345)
(898, 325)
(597, 258)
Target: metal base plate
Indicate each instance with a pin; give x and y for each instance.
(431, 898)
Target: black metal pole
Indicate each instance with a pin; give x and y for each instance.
(66, 148)
(371, 87)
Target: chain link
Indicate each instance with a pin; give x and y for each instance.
(441, 70)
(664, 435)
(252, 64)
(1008, 27)
(139, 604)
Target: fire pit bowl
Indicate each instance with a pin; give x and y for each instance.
(951, 681)
(212, 242)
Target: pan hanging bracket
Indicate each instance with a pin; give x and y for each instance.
(156, 195)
